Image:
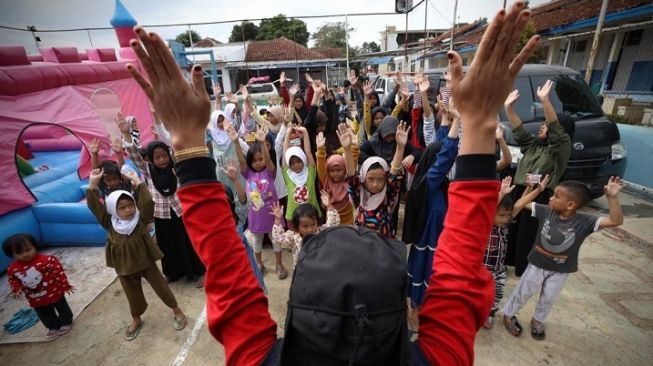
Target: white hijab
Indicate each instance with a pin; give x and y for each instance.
(125, 227)
(371, 201)
(298, 178)
(228, 111)
(220, 136)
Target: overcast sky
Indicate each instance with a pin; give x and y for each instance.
(66, 14)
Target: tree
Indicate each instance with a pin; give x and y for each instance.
(248, 28)
(280, 26)
(183, 38)
(369, 47)
(331, 35)
(538, 55)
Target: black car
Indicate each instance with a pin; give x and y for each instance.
(596, 152)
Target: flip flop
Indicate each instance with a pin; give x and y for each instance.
(181, 323)
(537, 332)
(512, 326)
(133, 333)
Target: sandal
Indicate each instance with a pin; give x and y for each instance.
(512, 325)
(489, 322)
(537, 332)
(181, 323)
(132, 333)
(282, 272)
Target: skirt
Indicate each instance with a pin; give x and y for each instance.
(179, 257)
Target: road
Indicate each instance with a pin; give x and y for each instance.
(604, 315)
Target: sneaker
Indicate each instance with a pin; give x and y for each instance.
(52, 334)
(65, 329)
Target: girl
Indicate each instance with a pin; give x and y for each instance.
(305, 221)
(299, 173)
(374, 192)
(42, 280)
(112, 178)
(223, 145)
(130, 249)
(259, 172)
(179, 257)
(332, 176)
(426, 208)
(383, 144)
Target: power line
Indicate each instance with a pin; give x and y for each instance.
(200, 23)
(442, 15)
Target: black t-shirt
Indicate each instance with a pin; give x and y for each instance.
(558, 241)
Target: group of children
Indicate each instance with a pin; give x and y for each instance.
(298, 166)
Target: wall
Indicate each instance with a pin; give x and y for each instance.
(632, 54)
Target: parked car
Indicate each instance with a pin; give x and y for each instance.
(597, 152)
(384, 84)
(259, 93)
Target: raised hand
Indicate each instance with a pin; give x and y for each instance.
(282, 78)
(498, 133)
(326, 199)
(94, 146)
(294, 89)
(399, 79)
(244, 92)
(511, 99)
(231, 131)
(231, 98)
(614, 186)
(183, 107)
(506, 186)
(368, 88)
(116, 145)
(155, 133)
(316, 85)
(424, 85)
(405, 94)
(544, 90)
(277, 212)
(543, 183)
(122, 123)
(402, 134)
(481, 91)
(261, 133)
(94, 177)
(320, 141)
(230, 168)
(309, 79)
(419, 77)
(408, 161)
(344, 135)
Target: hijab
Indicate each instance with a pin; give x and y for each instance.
(165, 180)
(379, 145)
(338, 191)
(371, 201)
(220, 136)
(228, 111)
(415, 218)
(277, 112)
(124, 227)
(298, 178)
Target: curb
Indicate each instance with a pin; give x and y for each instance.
(639, 190)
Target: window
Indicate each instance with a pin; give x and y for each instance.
(261, 88)
(571, 96)
(633, 38)
(580, 46)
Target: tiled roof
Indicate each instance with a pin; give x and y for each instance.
(562, 12)
(280, 49)
(330, 52)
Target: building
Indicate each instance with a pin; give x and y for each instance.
(393, 39)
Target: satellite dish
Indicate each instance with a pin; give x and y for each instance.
(403, 6)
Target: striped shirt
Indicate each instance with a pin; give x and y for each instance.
(162, 204)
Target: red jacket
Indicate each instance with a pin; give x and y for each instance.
(458, 299)
(42, 280)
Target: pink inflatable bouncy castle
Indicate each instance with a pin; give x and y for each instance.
(56, 103)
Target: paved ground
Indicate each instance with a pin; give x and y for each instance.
(604, 316)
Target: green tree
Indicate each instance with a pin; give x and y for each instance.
(249, 29)
(280, 26)
(369, 47)
(539, 54)
(183, 38)
(331, 35)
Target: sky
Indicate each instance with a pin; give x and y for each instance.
(67, 14)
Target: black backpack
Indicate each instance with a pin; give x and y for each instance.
(347, 303)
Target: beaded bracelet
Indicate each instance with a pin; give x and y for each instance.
(192, 152)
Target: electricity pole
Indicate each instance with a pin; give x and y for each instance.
(595, 42)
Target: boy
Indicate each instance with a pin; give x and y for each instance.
(555, 254)
(497, 245)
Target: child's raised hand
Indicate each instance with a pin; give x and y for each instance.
(320, 141)
(614, 186)
(94, 177)
(368, 88)
(308, 78)
(511, 99)
(498, 133)
(282, 78)
(122, 123)
(294, 89)
(116, 145)
(277, 211)
(301, 129)
(543, 183)
(424, 86)
(261, 133)
(544, 90)
(402, 134)
(344, 136)
(230, 168)
(231, 131)
(326, 199)
(94, 146)
(506, 186)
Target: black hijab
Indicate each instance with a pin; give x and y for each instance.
(165, 180)
(380, 147)
(415, 217)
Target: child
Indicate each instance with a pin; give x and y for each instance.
(130, 249)
(332, 173)
(112, 179)
(222, 145)
(554, 256)
(259, 170)
(42, 280)
(299, 174)
(305, 222)
(374, 192)
(497, 245)
(179, 257)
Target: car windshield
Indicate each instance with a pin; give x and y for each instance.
(261, 88)
(411, 85)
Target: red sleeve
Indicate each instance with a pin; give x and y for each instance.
(59, 274)
(460, 291)
(309, 96)
(284, 95)
(237, 309)
(15, 284)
